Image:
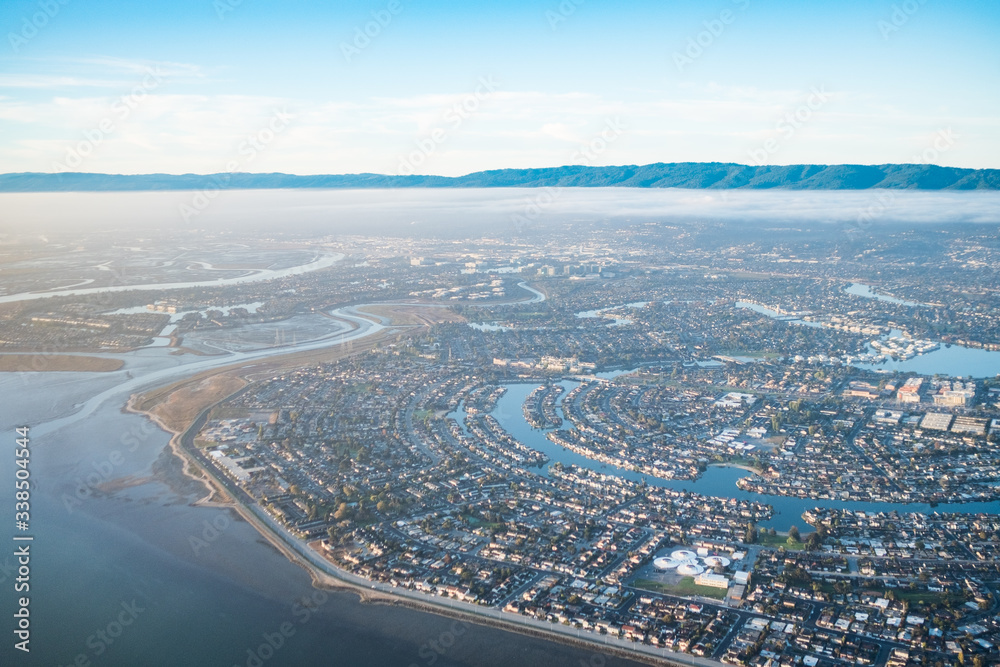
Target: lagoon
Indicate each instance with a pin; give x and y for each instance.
(858, 289)
(718, 481)
(775, 315)
(951, 360)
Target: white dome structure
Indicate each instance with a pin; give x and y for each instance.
(689, 563)
(690, 569)
(684, 555)
(665, 564)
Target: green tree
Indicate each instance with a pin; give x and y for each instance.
(814, 542)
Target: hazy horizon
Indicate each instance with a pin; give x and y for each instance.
(474, 210)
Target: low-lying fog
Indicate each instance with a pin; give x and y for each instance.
(492, 211)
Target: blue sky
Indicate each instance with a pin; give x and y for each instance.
(448, 88)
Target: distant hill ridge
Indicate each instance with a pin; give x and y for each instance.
(694, 175)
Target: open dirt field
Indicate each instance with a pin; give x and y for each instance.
(413, 315)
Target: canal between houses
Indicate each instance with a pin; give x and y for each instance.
(718, 481)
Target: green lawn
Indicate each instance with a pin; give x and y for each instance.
(776, 541)
(476, 522)
(754, 354)
(685, 588)
(925, 597)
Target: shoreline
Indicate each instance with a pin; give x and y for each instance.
(188, 465)
(332, 578)
(736, 465)
(325, 575)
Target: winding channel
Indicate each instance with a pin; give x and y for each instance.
(319, 262)
(364, 324)
(127, 545)
(718, 481)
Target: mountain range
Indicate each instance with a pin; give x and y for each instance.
(693, 175)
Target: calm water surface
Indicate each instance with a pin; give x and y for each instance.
(716, 481)
(114, 525)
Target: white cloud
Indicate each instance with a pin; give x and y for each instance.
(55, 82)
(179, 132)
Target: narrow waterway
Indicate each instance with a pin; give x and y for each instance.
(719, 481)
(858, 289)
(126, 570)
(320, 262)
(952, 360)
